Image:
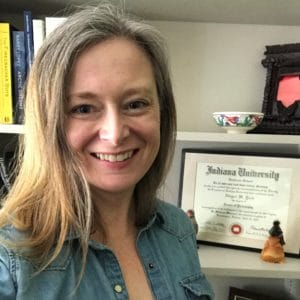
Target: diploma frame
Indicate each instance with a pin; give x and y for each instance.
(233, 234)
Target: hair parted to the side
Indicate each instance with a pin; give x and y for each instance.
(50, 196)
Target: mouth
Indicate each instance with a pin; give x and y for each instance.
(117, 157)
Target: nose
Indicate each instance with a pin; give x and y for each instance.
(114, 127)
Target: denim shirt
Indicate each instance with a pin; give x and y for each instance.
(167, 249)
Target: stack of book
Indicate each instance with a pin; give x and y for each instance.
(17, 51)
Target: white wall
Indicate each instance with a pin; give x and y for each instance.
(217, 67)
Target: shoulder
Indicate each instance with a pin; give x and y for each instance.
(170, 211)
(174, 220)
(7, 267)
(12, 253)
(8, 235)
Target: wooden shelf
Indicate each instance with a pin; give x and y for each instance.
(219, 261)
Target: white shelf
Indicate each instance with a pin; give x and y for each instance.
(194, 136)
(11, 129)
(219, 261)
(202, 136)
(238, 138)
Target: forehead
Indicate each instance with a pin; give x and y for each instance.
(115, 63)
(113, 51)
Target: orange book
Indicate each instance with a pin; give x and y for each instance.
(6, 85)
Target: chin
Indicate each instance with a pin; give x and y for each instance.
(112, 189)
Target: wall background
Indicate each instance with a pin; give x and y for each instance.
(217, 67)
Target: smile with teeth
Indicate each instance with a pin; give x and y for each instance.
(114, 157)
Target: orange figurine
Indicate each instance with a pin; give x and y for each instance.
(273, 248)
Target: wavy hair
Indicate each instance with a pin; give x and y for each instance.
(50, 196)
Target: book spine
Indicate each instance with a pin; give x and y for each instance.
(4, 174)
(2, 190)
(28, 38)
(19, 74)
(38, 34)
(52, 22)
(6, 101)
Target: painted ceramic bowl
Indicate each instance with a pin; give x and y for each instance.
(238, 122)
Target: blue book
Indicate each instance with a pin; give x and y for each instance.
(28, 39)
(19, 75)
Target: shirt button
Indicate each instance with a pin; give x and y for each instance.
(151, 265)
(118, 288)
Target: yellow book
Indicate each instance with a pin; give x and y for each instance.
(6, 98)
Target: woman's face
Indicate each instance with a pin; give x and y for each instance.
(113, 115)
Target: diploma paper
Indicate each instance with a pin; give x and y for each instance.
(241, 200)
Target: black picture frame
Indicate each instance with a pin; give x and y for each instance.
(219, 219)
(280, 61)
(242, 294)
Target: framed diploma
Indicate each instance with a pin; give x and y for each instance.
(236, 197)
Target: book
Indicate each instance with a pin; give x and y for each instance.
(3, 192)
(53, 22)
(28, 39)
(6, 168)
(2, 189)
(38, 34)
(6, 98)
(19, 75)
(4, 174)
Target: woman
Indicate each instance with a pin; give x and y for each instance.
(82, 220)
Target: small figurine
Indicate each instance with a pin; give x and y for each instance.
(273, 248)
(191, 215)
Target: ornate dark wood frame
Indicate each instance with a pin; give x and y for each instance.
(280, 60)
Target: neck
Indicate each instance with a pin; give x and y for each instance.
(114, 216)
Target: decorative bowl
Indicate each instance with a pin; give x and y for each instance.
(238, 122)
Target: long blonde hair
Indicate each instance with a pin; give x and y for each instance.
(50, 196)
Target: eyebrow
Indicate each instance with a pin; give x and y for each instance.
(148, 91)
(83, 95)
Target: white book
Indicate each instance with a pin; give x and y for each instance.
(52, 23)
(38, 26)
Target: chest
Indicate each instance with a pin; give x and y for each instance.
(161, 268)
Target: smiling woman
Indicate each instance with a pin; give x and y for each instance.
(117, 125)
(82, 219)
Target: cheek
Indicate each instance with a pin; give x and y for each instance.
(156, 135)
(76, 135)
(153, 133)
